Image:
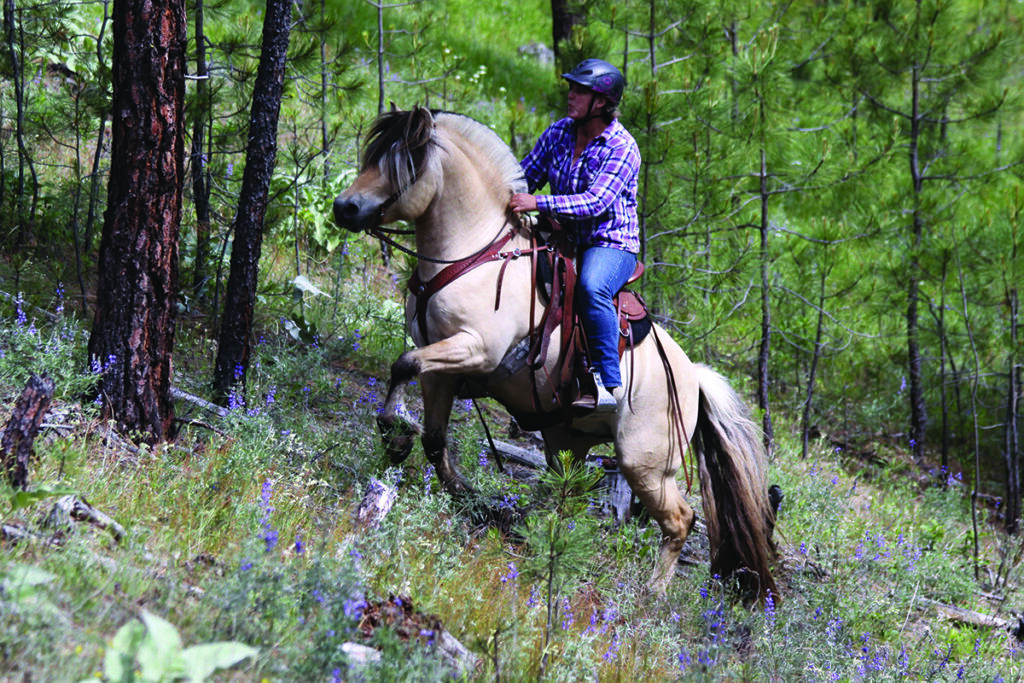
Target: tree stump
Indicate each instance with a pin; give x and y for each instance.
(22, 428)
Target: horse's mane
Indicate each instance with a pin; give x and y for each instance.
(400, 144)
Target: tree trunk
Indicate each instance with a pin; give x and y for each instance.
(819, 335)
(240, 297)
(764, 352)
(200, 161)
(15, 50)
(915, 362)
(563, 18)
(133, 328)
(21, 430)
(1012, 437)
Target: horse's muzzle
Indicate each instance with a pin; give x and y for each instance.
(357, 213)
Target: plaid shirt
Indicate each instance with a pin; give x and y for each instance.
(596, 196)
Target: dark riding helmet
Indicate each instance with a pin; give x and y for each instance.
(599, 76)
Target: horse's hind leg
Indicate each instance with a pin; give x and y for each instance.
(649, 463)
(661, 497)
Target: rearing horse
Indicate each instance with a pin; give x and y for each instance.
(452, 178)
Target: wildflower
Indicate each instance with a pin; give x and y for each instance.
(533, 600)
(246, 566)
(509, 501)
(613, 649)
(269, 535)
(22, 318)
(300, 547)
(512, 575)
(684, 660)
(567, 617)
(231, 169)
(833, 629)
(353, 607)
(769, 611)
(481, 458)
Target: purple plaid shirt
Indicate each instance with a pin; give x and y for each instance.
(596, 196)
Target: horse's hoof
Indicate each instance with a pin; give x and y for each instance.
(398, 440)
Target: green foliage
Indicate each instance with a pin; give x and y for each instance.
(155, 647)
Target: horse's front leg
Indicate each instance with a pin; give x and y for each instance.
(397, 428)
(438, 397)
(440, 363)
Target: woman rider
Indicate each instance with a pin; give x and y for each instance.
(591, 163)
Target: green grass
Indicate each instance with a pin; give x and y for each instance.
(242, 530)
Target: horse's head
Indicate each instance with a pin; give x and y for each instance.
(394, 162)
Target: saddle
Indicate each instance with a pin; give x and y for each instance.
(555, 281)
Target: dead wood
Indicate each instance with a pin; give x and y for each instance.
(376, 504)
(22, 428)
(70, 508)
(1014, 625)
(181, 395)
(528, 457)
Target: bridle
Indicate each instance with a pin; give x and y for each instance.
(381, 233)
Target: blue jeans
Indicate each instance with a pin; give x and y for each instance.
(602, 272)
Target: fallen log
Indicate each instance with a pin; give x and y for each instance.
(527, 457)
(22, 428)
(180, 395)
(1015, 626)
(70, 508)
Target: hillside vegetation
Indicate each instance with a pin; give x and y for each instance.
(831, 218)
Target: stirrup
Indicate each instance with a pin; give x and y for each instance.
(596, 400)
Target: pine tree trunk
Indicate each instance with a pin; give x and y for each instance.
(133, 328)
(764, 352)
(1012, 438)
(915, 362)
(240, 297)
(563, 18)
(200, 162)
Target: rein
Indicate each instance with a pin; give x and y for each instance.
(382, 233)
(489, 253)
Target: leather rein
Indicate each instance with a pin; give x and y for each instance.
(455, 268)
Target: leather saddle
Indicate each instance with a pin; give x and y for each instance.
(555, 280)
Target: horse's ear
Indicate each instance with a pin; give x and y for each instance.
(393, 107)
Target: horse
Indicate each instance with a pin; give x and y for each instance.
(451, 177)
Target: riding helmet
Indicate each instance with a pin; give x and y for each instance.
(599, 76)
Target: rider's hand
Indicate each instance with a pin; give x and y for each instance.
(522, 202)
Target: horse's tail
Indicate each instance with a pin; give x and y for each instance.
(732, 464)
